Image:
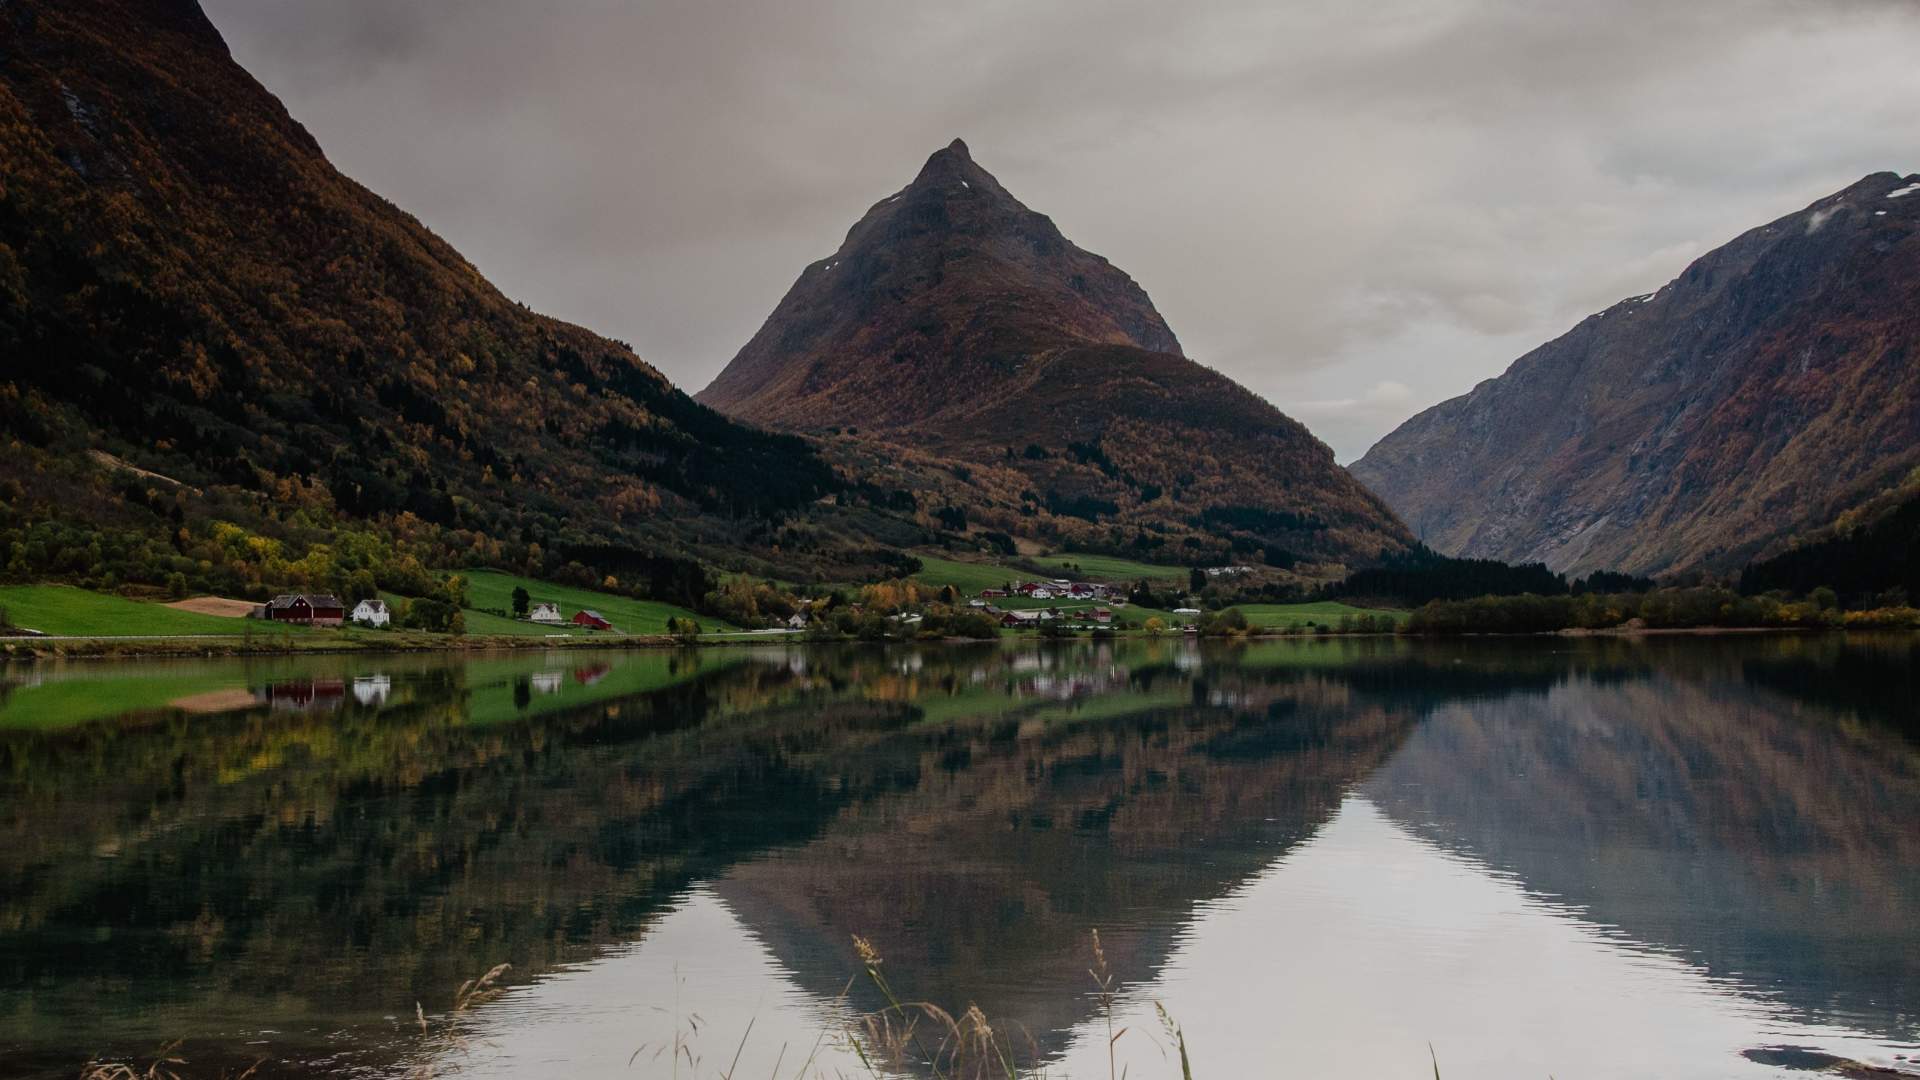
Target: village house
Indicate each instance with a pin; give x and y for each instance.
(306, 610)
(992, 594)
(592, 620)
(547, 614)
(371, 613)
(797, 621)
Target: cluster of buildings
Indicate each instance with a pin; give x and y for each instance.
(548, 614)
(321, 609)
(1057, 589)
(324, 609)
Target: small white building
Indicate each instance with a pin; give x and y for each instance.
(371, 613)
(548, 614)
(797, 621)
(1186, 611)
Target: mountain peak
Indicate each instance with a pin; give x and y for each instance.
(951, 162)
(958, 322)
(947, 286)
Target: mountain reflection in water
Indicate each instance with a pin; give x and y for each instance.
(1319, 853)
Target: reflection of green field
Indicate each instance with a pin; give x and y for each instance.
(85, 693)
(494, 589)
(63, 609)
(65, 702)
(994, 702)
(1316, 652)
(582, 681)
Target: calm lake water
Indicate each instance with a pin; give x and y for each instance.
(1595, 858)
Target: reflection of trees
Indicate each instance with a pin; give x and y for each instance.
(1774, 840)
(974, 809)
(980, 880)
(348, 864)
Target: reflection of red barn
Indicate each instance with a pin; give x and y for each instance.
(307, 610)
(587, 676)
(592, 620)
(306, 694)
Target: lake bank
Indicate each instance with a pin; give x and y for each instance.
(51, 647)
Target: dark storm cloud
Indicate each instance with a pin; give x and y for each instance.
(1356, 210)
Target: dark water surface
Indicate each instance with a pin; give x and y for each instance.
(1598, 858)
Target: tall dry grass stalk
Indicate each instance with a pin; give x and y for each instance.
(164, 1065)
(448, 1040)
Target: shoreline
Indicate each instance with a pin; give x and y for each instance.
(29, 650)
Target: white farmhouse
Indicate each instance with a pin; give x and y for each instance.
(548, 614)
(371, 613)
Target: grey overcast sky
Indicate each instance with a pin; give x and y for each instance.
(1355, 208)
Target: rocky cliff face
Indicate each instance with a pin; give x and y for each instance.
(1755, 395)
(956, 321)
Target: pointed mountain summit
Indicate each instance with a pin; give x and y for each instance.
(957, 321)
(1770, 387)
(944, 284)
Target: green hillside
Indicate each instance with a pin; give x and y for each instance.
(65, 610)
(1110, 568)
(494, 589)
(1322, 613)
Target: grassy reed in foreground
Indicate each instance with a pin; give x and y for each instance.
(901, 1039)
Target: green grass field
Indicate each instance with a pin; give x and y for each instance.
(1110, 568)
(968, 578)
(1323, 613)
(65, 610)
(494, 589)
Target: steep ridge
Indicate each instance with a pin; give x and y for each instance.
(956, 321)
(1759, 393)
(188, 284)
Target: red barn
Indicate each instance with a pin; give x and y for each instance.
(592, 620)
(307, 610)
